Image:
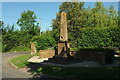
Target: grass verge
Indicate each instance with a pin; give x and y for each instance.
(21, 61)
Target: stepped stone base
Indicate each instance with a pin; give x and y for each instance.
(46, 53)
(36, 59)
(63, 48)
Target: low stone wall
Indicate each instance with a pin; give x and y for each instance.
(103, 56)
(46, 53)
(82, 55)
(90, 56)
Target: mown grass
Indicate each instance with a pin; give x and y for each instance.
(21, 61)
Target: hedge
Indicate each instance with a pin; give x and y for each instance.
(99, 37)
(43, 42)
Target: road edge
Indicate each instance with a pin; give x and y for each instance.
(12, 64)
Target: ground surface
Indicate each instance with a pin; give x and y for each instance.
(11, 73)
(8, 71)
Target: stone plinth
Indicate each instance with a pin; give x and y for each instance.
(46, 53)
(63, 48)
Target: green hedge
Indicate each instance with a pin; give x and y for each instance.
(15, 39)
(43, 42)
(99, 37)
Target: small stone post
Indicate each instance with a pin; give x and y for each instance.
(33, 48)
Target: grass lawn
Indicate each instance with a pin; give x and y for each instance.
(21, 61)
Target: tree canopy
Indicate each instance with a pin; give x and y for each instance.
(28, 22)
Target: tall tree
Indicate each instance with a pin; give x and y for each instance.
(28, 22)
(113, 17)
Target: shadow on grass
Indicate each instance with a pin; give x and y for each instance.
(42, 72)
(48, 72)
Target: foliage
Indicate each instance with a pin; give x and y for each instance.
(21, 61)
(14, 38)
(8, 38)
(44, 41)
(99, 37)
(27, 22)
(1, 24)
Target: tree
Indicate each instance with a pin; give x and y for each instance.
(113, 17)
(8, 36)
(79, 17)
(28, 22)
(1, 24)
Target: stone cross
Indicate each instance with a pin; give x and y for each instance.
(33, 48)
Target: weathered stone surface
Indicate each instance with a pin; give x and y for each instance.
(36, 59)
(46, 53)
(63, 27)
(63, 48)
(33, 48)
(63, 44)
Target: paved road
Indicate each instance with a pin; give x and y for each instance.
(8, 71)
(11, 73)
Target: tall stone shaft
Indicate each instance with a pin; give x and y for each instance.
(63, 44)
(63, 27)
